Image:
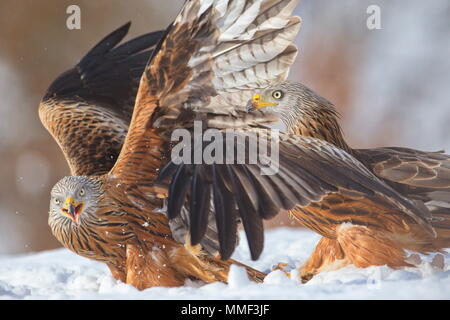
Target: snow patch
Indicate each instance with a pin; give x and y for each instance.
(60, 274)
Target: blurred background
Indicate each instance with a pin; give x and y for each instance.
(390, 85)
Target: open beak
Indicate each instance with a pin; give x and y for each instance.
(73, 209)
(257, 103)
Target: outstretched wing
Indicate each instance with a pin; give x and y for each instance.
(208, 45)
(178, 88)
(87, 109)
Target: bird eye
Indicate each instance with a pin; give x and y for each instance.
(277, 94)
(56, 201)
(82, 192)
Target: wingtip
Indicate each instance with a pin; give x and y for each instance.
(255, 253)
(107, 43)
(255, 257)
(225, 254)
(126, 26)
(123, 30)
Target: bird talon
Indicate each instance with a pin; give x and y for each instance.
(306, 277)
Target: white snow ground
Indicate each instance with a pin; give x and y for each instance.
(60, 274)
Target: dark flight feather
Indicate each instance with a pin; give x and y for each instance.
(178, 191)
(226, 214)
(199, 204)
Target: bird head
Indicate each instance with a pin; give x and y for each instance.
(73, 196)
(292, 102)
(275, 98)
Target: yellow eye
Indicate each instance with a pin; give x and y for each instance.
(56, 201)
(277, 94)
(81, 192)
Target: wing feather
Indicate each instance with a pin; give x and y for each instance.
(251, 219)
(87, 109)
(199, 204)
(226, 214)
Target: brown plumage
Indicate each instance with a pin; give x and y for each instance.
(374, 232)
(115, 215)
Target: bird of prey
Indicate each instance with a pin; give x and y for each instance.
(114, 132)
(313, 175)
(356, 228)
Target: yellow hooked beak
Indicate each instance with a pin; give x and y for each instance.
(258, 104)
(72, 209)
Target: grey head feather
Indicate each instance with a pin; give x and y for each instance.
(297, 101)
(81, 189)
